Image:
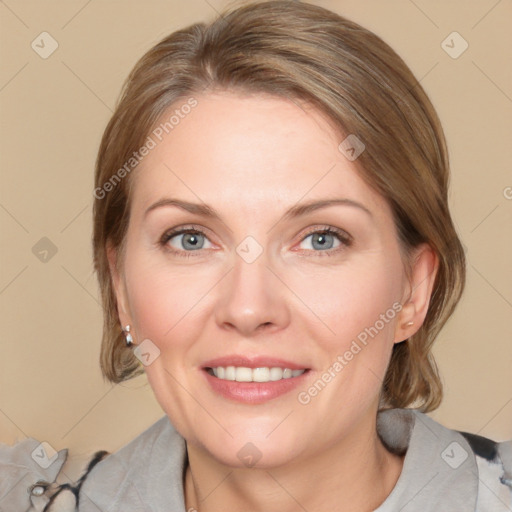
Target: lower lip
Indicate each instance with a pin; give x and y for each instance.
(253, 392)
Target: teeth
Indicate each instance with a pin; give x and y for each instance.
(230, 373)
(276, 374)
(244, 374)
(261, 374)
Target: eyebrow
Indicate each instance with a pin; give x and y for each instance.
(295, 211)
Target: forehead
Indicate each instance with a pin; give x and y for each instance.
(248, 151)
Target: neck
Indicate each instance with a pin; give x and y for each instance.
(356, 473)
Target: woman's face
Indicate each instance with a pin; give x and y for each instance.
(257, 282)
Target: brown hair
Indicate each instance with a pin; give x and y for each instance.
(299, 51)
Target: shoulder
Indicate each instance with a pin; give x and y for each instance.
(28, 473)
(494, 463)
(489, 461)
(445, 469)
(145, 471)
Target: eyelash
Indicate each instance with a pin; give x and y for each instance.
(343, 237)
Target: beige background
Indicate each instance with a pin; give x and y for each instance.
(53, 113)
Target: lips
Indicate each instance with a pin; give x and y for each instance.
(253, 380)
(253, 362)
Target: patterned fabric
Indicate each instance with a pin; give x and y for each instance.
(494, 462)
(444, 470)
(28, 479)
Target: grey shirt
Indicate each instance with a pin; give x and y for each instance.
(442, 471)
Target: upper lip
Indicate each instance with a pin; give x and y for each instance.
(253, 362)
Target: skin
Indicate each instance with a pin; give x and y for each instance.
(251, 158)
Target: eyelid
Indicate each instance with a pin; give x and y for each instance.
(331, 230)
(180, 230)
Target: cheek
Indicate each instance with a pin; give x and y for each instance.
(358, 305)
(164, 298)
(167, 304)
(349, 299)
(360, 309)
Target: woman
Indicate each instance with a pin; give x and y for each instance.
(275, 250)
(278, 248)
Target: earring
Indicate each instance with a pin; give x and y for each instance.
(408, 324)
(128, 336)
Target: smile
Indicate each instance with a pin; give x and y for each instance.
(245, 374)
(253, 379)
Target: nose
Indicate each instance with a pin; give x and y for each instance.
(252, 299)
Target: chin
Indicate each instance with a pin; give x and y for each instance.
(255, 453)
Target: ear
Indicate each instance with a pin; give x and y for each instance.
(118, 285)
(424, 266)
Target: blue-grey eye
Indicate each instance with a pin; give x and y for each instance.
(190, 241)
(322, 241)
